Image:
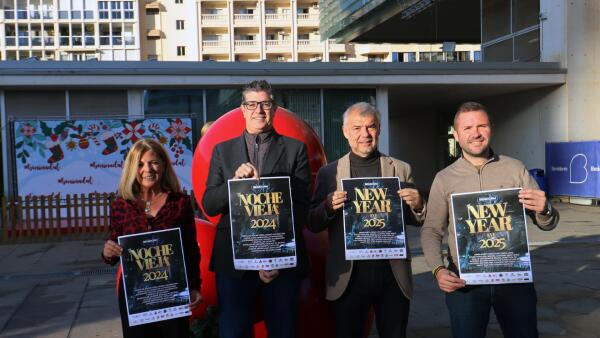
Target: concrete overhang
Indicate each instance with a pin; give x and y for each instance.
(151, 74)
(408, 21)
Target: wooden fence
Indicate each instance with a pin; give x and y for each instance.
(56, 217)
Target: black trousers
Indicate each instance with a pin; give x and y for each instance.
(372, 284)
(176, 328)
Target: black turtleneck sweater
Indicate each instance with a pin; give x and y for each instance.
(369, 166)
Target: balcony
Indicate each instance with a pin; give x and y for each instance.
(309, 46)
(278, 20)
(372, 48)
(308, 20)
(152, 6)
(278, 46)
(336, 47)
(215, 47)
(245, 20)
(246, 46)
(154, 34)
(214, 20)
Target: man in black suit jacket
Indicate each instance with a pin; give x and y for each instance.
(258, 152)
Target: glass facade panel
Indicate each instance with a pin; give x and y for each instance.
(176, 103)
(499, 52)
(336, 101)
(527, 47)
(304, 103)
(173, 103)
(495, 19)
(525, 13)
(221, 101)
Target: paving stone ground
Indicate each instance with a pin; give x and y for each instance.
(63, 290)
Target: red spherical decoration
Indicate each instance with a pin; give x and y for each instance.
(315, 317)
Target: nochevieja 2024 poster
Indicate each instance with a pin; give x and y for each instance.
(262, 223)
(154, 276)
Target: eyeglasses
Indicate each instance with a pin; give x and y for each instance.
(254, 104)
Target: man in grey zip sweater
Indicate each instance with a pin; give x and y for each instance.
(481, 169)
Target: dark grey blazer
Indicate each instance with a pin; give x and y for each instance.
(339, 270)
(285, 157)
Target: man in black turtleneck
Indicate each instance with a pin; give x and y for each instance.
(355, 286)
(259, 152)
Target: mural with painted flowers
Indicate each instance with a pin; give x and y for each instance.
(82, 156)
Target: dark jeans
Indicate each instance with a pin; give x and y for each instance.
(372, 284)
(236, 298)
(178, 327)
(513, 304)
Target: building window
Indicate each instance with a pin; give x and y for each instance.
(115, 7)
(178, 1)
(431, 56)
(128, 9)
(180, 50)
(103, 9)
(179, 24)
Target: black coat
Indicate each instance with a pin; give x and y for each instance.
(285, 157)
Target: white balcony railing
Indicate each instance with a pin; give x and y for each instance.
(214, 17)
(307, 42)
(277, 17)
(215, 44)
(245, 17)
(277, 43)
(308, 16)
(245, 43)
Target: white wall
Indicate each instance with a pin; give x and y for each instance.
(583, 64)
(523, 122)
(571, 36)
(413, 138)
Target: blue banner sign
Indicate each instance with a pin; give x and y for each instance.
(573, 168)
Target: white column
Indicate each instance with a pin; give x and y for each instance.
(381, 95)
(553, 29)
(135, 102)
(230, 9)
(4, 124)
(294, 13)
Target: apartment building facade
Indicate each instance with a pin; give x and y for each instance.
(69, 30)
(256, 30)
(190, 30)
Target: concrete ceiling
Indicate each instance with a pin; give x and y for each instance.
(445, 20)
(444, 95)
